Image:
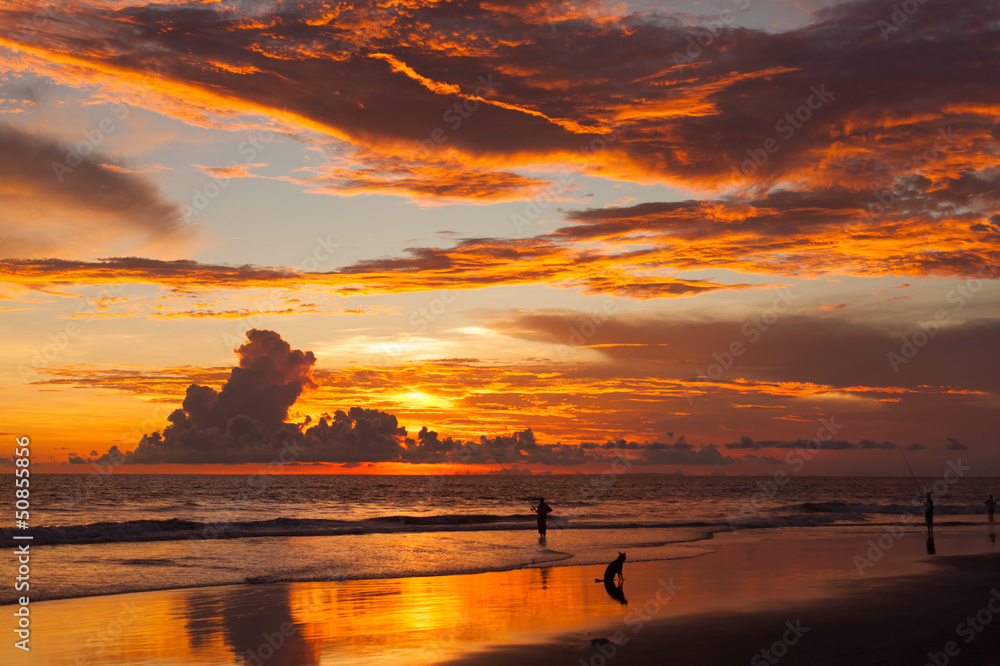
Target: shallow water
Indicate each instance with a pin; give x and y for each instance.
(102, 534)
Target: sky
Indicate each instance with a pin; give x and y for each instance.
(416, 236)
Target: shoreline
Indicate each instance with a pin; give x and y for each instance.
(63, 562)
(66, 572)
(745, 586)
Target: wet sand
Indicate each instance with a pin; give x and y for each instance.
(801, 597)
(949, 615)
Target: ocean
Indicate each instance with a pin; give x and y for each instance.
(102, 534)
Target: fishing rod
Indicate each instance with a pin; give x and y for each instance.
(912, 475)
(509, 476)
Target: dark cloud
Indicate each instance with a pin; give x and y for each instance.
(805, 444)
(869, 444)
(391, 77)
(359, 435)
(954, 445)
(522, 447)
(242, 422)
(750, 457)
(681, 454)
(778, 346)
(246, 421)
(471, 264)
(817, 230)
(888, 165)
(62, 199)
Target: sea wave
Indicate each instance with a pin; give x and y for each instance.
(809, 514)
(940, 508)
(176, 529)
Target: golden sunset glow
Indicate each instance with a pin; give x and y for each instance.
(484, 230)
(479, 333)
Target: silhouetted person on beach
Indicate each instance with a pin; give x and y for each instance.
(929, 516)
(990, 504)
(542, 510)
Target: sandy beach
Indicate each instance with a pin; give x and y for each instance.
(801, 599)
(944, 611)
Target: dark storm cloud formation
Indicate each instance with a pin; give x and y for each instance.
(246, 421)
(55, 195)
(269, 379)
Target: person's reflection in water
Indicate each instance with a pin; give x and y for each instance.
(930, 544)
(545, 577)
(993, 537)
(615, 591)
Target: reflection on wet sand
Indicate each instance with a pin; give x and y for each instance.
(256, 624)
(426, 620)
(411, 620)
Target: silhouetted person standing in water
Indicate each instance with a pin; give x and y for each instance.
(929, 515)
(542, 510)
(990, 504)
